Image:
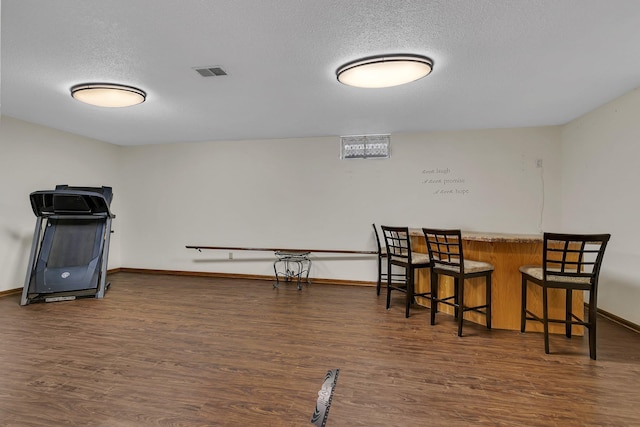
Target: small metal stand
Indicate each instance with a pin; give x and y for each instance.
(295, 265)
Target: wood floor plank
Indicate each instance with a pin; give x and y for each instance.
(191, 351)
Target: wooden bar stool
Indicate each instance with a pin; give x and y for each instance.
(382, 254)
(571, 262)
(399, 253)
(382, 272)
(447, 258)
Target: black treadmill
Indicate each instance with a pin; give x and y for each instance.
(70, 246)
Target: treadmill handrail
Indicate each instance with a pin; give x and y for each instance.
(87, 217)
(43, 203)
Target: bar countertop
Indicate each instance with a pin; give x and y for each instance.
(478, 236)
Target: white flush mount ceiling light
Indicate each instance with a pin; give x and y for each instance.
(384, 71)
(108, 95)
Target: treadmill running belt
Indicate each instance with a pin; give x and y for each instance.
(73, 243)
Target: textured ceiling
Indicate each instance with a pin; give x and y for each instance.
(497, 63)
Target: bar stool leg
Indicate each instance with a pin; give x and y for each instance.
(460, 308)
(568, 312)
(545, 319)
(388, 286)
(434, 296)
(488, 301)
(523, 311)
(409, 291)
(379, 275)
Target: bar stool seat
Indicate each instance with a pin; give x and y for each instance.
(470, 266)
(537, 272)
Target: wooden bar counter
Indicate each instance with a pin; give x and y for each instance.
(507, 252)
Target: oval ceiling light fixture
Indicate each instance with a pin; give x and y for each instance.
(108, 95)
(384, 70)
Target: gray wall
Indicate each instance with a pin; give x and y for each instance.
(297, 193)
(600, 178)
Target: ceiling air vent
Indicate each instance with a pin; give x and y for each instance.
(365, 147)
(211, 71)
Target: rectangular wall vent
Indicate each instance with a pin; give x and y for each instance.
(211, 71)
(365, 147)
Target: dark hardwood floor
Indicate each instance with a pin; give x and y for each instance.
(189, 351)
